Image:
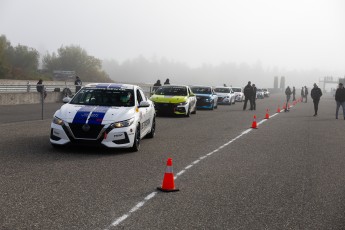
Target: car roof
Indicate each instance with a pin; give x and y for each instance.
(173, 86)
(228, 87)
(111, 85)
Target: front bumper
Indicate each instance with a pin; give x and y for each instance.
(97, 135)
(170, 108)
(224, 100)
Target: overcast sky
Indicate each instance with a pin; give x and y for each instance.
(290, 34)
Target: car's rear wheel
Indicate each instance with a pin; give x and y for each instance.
(152, 133)
(136, 143)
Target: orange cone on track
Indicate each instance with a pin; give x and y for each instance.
(278, 110)
(267, 116)
(168, 184)
(254, 125)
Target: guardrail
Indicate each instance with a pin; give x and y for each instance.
(7, 88)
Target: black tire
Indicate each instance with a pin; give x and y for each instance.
(152, 133)
(194, 112)
(136, 143)
(212, 108)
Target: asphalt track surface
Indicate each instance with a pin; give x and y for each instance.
(287, 174)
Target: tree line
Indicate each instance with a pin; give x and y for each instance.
(22, 62)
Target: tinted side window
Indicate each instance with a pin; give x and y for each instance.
(139, 97)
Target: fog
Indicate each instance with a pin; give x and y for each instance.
(216, 42)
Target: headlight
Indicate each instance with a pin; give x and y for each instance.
(57, 121)
(121, 124)
(182, 103)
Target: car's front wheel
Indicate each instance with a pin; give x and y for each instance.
(152, 133)
(136, 143)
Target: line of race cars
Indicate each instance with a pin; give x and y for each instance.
(120, 115)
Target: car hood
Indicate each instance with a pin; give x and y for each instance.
(203, 95)
(223, 94)
(83, 114)
(168, 99)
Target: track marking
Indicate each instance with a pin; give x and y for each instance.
(153, 194)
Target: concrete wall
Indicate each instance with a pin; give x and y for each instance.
(28, 98)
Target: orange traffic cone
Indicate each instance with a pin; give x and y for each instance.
(284, 107)
(168, 184)
(278, 110)
(254, 125)
(267, 116)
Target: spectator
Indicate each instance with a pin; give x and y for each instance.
(254, 97)
(41, 89)
(288, 95)
(248, 93)
(167, 82)
(306, 94)
(28, 86)
(302, 93)
(156, 85)
(293, 93)
(340, 99)
(316, 95)
(77, 84)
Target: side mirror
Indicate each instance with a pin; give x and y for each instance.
(66, 99)
(144, 104)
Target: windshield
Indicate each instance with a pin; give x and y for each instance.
(104, 97)
(172, 91)
(201, 90)
(259, 90)
(222, 90)
(237, 90)
(265, 90)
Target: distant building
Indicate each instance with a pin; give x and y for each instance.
(282, 82)
(275, 84)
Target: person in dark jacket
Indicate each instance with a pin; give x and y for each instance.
(156, 85)
(288, 95)
(248, 94)
(41, 89)
(340, 99)
(254, 97)
(316, 95)
(77, 84)
(293, 93)
(167, 82)
(302, 93)
(306, 94)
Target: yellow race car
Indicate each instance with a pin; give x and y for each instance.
(174, 99)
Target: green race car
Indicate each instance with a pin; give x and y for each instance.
(174, 99)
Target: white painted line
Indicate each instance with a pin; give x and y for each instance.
(153, 194)
(136, 207)
(195, 162)
(180, 173)
(119, 220)
(188, 167)
(150, 196)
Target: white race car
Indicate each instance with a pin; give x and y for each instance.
(238, 93)
(108, 114)
(225, 95)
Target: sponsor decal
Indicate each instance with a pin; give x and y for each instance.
(97, 115)
(119, 136)
(82, 114)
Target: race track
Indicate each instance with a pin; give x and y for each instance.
(287, 174)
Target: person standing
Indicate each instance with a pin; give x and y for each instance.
(302, 93)
(167, 82)
(254, 97)
(288, 95)
(248, 94)
(77, 84)
(306, 94)
(293, 93)
(156, 85)
(41, 89)
(340, 99)
(316, 95)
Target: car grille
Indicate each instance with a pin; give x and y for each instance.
(92, 133)
(201, 101)
(165, 107)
